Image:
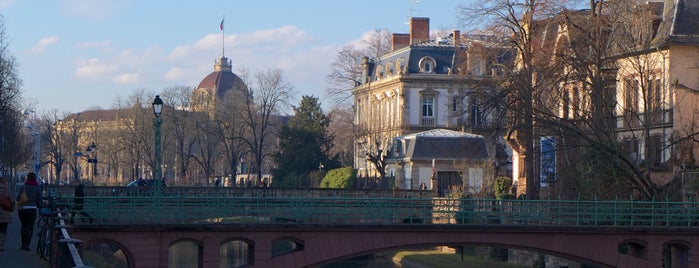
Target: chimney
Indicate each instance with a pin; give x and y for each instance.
(456, 36)
(419, 30)
(400, 41)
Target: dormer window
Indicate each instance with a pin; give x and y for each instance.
(427, 65)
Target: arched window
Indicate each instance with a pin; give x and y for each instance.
(236, 253)
(185, 253)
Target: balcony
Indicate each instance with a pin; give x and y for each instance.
(427, 122)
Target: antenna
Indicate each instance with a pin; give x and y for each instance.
(411, 9)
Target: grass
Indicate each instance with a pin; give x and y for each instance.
(438, 259)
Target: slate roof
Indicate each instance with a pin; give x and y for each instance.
(443, 144)
(440, 49)
(680, 23)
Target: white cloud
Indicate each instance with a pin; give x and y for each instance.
(102, 46)
(6, 3)
(127, 78)
(94, 10)
(175, 74)
(43, 43)
(94, 69)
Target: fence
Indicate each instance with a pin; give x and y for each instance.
(164, 209)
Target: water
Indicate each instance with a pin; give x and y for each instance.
(367, 261)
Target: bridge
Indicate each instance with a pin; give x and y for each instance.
(283, 228)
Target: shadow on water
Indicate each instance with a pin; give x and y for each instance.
(367, 261)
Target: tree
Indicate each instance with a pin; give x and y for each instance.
(517, 18)
(13, 149)
(261, 115)
(304, 143)
(182, 127)
(341, 127)
(346, 69)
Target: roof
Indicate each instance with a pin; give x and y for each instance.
(444, 144)
(222, 79)
(441, 49)
(685, 26)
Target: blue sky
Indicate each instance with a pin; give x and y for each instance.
(76, 54)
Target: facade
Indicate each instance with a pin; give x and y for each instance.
(651, 96)
(426, 84)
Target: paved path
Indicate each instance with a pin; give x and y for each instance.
(13, 256)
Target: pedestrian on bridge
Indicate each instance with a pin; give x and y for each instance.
(79, 194)
(5, 215)
(27, 211)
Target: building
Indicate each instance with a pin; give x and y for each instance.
(645, 101)
(216, 87)
(425, 84)
(459, 160)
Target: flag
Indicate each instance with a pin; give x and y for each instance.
(221, 26)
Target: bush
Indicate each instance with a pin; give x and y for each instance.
(290, 180)
(502, 187)
(339, 178)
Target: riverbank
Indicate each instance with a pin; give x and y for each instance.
(439, 259)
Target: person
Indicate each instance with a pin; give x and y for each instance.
(78, 200)
(27, 212)
(5, 216)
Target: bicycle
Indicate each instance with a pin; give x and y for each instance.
(50, 217)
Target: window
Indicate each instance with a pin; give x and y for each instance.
(655, 155)
(428, 102)
(630, 96)
(427, 65)
(428, 106)
(454, 105)
(631, 148)
(476, 114)
(654, 94)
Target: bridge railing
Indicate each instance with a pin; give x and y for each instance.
(163, 209)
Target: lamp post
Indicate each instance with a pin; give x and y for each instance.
(157, 122)
(35, 134)
(92, 159)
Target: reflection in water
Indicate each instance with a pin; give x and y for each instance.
(367, 261)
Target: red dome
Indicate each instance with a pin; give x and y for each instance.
(220, 82)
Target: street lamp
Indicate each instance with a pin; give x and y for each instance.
(157, 122)
(92, 158)
(35, 133)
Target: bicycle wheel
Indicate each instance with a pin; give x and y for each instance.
(43, 244)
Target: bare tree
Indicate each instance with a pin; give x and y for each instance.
(528, 78)
(263, 103)
(12, 143)
(341, 127)
(347, 67)
(181, 128)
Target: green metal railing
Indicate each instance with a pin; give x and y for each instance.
(167, 209)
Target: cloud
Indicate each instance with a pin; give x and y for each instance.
(127, 78)
(104, 46)
(6, 3)
(175, 74)
(95, 69)
(43, 43)
(94, 10)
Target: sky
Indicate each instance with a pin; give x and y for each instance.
(75, 55)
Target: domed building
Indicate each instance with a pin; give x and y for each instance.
(217, 86)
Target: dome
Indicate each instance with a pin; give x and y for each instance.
(222, 80)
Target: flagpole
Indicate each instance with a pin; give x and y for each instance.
(223, 38)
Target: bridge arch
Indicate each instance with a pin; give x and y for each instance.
(185, 251)
(236, 252)
(108, 251)
(286, 245)
(634, 247)
(676, 253)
